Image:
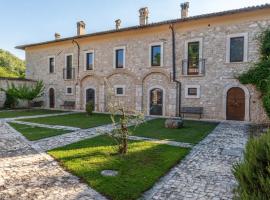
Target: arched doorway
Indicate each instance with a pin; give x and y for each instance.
(235, 108)
(156, 102)
(51, 98)
(90, 96)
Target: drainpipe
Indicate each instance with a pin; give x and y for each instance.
(78, 68)
(178, 83)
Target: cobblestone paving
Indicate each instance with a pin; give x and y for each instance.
(168, 142)
(26, 174)
(206, 172)
(68, 138)
(69, 128)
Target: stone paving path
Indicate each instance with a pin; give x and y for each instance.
(205, 173)
(168, 142)
(26, 174)
(69, 128)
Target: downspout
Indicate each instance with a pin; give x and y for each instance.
(178, 83)
(78, 68)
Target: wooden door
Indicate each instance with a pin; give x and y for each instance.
(156, 102)
(236, 104)
(51, 98)
(90, 96)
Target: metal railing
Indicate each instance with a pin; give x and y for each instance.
(193, 67)
(69, 73)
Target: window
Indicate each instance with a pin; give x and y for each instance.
(119, 58)
(68, 67)
(51, 64)
(193, 58)
(69, 91)
(89, 60)
(237, 48)
(156, 55)
(119, 90)
(192, 91)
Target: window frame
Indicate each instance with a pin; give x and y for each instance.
(228, 47)
(187, 96)
(49, 57)
(85, 60)
(124, 56)
(69, 94)
(161, 52)
(72, 65)
(120, 86)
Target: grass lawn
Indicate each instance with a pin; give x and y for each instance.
(80, 120)
(192, 132)
(144, 164)
(36, 133)
(30, 112)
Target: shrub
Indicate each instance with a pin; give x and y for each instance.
(10, 101)
(89, 108)
(253, 174)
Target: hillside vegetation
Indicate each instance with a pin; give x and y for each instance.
(10, 65)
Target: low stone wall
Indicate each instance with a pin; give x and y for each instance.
(4, 82)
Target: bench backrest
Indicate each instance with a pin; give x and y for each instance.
(69, 103)
(192, 110)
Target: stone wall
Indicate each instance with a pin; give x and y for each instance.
(139, 77)
(5, 82)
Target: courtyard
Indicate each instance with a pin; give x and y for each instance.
(68, 152)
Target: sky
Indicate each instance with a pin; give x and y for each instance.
(31, 21)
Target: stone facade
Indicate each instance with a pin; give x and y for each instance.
(138, 77)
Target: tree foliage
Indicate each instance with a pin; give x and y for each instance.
(253, 173)
(10, 65)
(259, 75)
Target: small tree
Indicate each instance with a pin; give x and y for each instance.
(121, 117)
(24, 92)
(89, 107)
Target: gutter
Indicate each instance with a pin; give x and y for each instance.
(178, 83)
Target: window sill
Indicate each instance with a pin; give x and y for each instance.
(191, 97)
(200, 75)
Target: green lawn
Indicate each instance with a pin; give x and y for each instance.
(30, 112)
(80, 120)
(36, 133)
(192, 132)
(144, 164)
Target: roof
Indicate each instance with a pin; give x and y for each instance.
(197, 17)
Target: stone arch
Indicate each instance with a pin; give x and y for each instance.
(124, 72)
(247, 99)
(155, 71)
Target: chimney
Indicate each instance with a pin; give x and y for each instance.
(117, 24)
(80, 28)
(57, 36)
(184, 10)
(144, 16)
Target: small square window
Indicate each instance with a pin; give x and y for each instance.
(69, 90)
(192, 91)
(119, 91)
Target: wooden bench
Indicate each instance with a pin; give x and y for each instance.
(68, 105)
(192, 110)
(37, 104)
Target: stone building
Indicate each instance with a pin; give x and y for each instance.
(157, 68)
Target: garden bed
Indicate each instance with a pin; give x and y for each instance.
(143, 165)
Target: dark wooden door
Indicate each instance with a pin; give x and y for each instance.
(52, 98)
(156, 102)
(90, 96)
(236, 104)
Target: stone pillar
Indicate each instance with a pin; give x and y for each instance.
(138, 98)
(78, 97)
(101, 103)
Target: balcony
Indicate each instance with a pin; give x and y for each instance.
(69, 73)
(193, 67)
